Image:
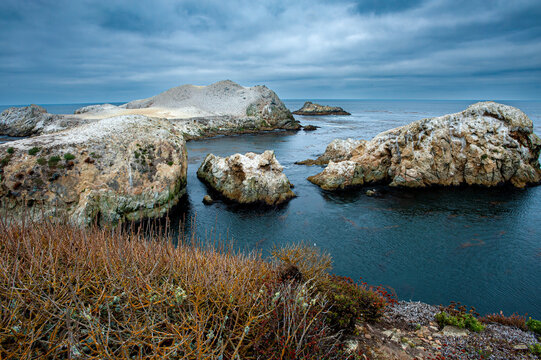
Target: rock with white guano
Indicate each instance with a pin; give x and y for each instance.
(247, 179)
(122, 168)
(487, 144)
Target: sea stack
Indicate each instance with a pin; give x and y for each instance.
(487, 144)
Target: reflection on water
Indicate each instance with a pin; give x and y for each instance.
(478, 246)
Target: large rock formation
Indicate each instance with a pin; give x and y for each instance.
(487, 144)
(310, 108)
(121, 168)
(337, 150)
(246, 179)
(33, 120)
(200, 111)
(197, 111)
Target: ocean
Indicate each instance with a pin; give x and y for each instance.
(479, 246)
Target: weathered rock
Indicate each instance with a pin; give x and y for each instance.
(221, 108)
(207, 200)
(310, 108)
(487, 144)
(120, 168)
(310, 127)
(33, 120)
(97, 109)
(246, 179)
(450, 330)
(337, 150)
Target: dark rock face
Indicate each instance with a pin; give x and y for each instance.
(310, 108)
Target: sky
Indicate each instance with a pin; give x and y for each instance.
(76, 51)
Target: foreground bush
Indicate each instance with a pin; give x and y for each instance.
(458, 315)
(96, 293)
(72, 293)
(515, 320)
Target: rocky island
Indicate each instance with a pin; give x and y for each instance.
(309, 108)
(221, 108)
(247, 179)
(487, 144)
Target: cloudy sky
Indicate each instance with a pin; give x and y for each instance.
(63, 51)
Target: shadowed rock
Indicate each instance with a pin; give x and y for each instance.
(310, 108)
(247, 179)
(487, 144)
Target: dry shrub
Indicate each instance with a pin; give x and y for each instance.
(311, 263)
(67, 292)
(515, 320)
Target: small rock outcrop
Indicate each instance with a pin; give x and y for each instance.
(121, 168)
(310, 127)
(33, 120)
(100, 108)
(247, 179)
(337, 150)
(207, 200)
(310, 108)
(487, 144)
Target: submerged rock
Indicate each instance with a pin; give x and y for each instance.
(246, 179)
(487, 144)
(337, 150)
(33, 120)
(120, 168)
(310, 108)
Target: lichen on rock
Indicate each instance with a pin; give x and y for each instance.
(247, 179)
(121, 168)
(487, 144)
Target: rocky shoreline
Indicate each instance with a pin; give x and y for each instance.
(409, 331)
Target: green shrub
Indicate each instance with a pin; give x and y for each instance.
(534, 325)
(41, 161)
(4, 161)
(69, 156)
(53, 160)
(10, 150)
(536, 349)
(33, 151)
(170, 163)
(458, 315)
(466, 321)
(351, 302)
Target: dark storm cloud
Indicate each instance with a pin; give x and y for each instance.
(66, 51)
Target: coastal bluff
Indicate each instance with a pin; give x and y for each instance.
(127, 167)
(488, 144)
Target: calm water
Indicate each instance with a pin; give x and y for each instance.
(478, 246)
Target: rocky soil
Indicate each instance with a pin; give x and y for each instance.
(409, 331)
(121, 168)
(487, 144)
(247, 179)
(311, 109)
